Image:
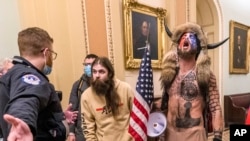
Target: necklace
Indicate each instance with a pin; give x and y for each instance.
(184, 74)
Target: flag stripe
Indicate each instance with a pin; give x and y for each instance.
(143, 107)
(136, 131)
(139, 122)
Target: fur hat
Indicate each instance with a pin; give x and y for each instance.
(170, 59)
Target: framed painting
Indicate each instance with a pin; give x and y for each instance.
(143, 27)
(239, 48)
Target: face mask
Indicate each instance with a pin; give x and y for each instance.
(47, 69)
(87, 70)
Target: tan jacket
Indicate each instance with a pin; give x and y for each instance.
(98, 123)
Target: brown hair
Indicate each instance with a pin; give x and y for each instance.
(32, 40)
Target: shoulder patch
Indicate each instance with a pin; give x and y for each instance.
(31, 79)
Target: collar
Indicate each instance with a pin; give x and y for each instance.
(23, 61)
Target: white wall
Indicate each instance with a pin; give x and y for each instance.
(9, 29)
(238, 11)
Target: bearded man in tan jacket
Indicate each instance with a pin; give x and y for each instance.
(106, 105)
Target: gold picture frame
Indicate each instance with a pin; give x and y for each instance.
(239, 48)
(135, 14)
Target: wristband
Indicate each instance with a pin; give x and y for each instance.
(216, 139)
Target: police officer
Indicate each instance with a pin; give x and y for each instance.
(28, 101)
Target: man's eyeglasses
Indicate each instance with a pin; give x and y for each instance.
(54, 54)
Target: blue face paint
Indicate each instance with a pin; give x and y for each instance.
(188, 40)
(188, 45)
(193, 40)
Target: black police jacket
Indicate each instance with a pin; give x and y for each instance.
(26, 93)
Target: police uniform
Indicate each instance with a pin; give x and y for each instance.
(26, 93)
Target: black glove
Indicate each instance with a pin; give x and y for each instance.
(216, 139)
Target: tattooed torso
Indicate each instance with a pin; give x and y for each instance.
(186, 103)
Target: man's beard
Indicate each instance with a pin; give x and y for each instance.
(187, 54)
(101, 87)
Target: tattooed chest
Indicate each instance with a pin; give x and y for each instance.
(185, 86)
(186, 92)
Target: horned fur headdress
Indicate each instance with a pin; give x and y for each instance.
(170, 59)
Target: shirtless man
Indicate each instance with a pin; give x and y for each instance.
(190, 87)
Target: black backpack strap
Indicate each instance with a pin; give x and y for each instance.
(79, 91)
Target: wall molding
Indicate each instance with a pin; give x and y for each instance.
(188, 11)
(85, 27)
(109, 31)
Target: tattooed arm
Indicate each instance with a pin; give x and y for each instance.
(215, 108)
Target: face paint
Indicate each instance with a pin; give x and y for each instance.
(187, 45)
(193, 41)
(188, 41)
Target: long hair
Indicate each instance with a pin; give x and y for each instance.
(111, 96)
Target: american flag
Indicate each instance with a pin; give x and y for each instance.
(142, 100)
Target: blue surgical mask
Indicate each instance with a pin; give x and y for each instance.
(87, 70)
(47, 70)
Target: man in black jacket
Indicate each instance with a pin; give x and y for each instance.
(75, 96)
(29, 102)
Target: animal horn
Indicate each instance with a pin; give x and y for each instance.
(167, 29)
(215, 45)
